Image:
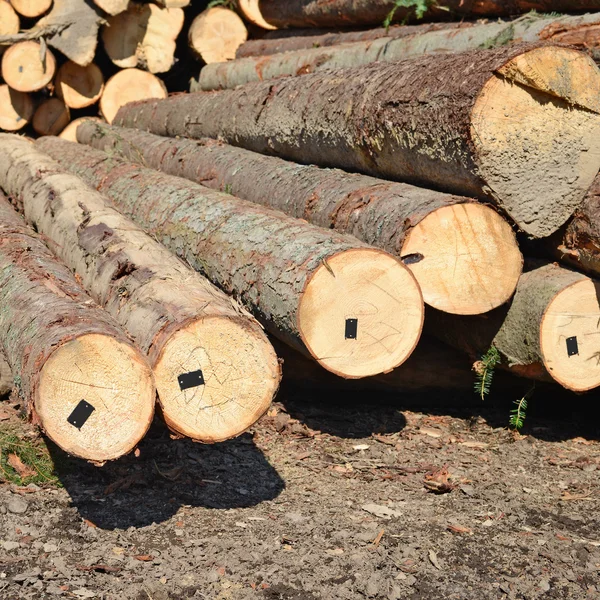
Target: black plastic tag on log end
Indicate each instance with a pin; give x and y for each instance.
(190, 380)
(572, 346)
(351, 329)
(82, 412)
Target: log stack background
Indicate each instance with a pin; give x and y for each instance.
(294, 166)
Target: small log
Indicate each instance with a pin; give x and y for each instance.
(79, 86)
(144, 35)
(79, 377)
(583, 31)
(9, 20)
(250, 11)
(28, 67)
(126, 86)
(439, 235)
(31, 9)
(216, 34)
(16, 109)
(69, 133)
(215, 370)
(51, 117)
(112, 7)
(444, 122)
(357, 310)
(550, 329)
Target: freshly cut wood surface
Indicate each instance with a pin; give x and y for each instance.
(444, 122)
(357, 310)
(549, 330)
(251, 12)
(144, 35)
(69, 133)
(16, 109)
(186, 327)
(31, 8)
(79, 86)
(126, 86)
(174, 3)
(216, 34)
(26, 67)
(9, 20)
(51, 117)
(582, 31)
(67, 351)
(112, 7)
(463, 254)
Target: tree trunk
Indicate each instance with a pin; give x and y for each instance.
(16, 109)
(195, 337)
(126, 86)
(51, 117)
(438, 235)
(354, 13)
(77, 86)
(144, 35)
(549, 330)
(78, 375)
(216, 34)
(26, 67)
(445, 122)
(355, 309)
(583, 31)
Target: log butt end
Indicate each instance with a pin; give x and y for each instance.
(250, 10)
(95, 397)
(23, 68)
(536, 129)
(569, 336)
(16, 109)
(215, 378)
(361, 313)
(465, 257)
(69, 133)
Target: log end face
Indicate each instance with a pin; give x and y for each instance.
(16, 109)
(465, 258)
(536, 132)
(69, 133)
(216, 377)
(570, 336)
(361, 313)
(250, 10)
(95, 397)
(23, 68)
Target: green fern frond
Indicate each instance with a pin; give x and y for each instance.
(485, 371)
(420, 8)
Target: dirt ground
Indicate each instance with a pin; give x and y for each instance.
(326, 498)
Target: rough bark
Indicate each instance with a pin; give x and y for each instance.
(551, 306)
(6, 377)
(439, 121)
(71, 27)
(151, 293)
(345, 13)
(458, 276)
(581, 31)
(69, 133)
(44, 311)
(267, 260)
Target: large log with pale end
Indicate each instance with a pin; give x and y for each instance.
(360, 13)
(78, 375)
(357, 310)
(446, 122)
(78, 86)
(16, 109)
(550, 329)
(51, 117)
(27, 67)
(215, 371)
(463, 254)
(582, 31)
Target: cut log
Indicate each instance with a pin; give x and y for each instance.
(9, 20)
(144, 35)
(360, 13)
(549, 330)
(355, 309)
(71, 27)
(215, 370)
(445, 122)
(216, 34)
(112, 7)
(51, 117)
(16, 109)
(69, 133)
(440, 236)
(27, 67)
(79, 86)
(126, 86)
(250, 10)
(32, 9)
(79, 376)
(174, 3)
(583, 31)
